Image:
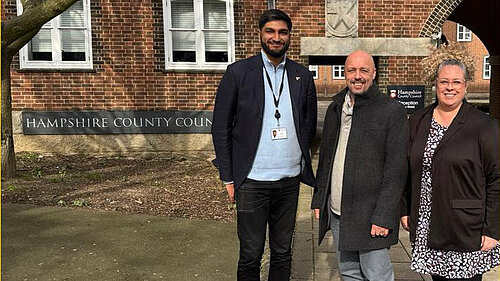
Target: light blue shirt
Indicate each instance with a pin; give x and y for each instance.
(278, 158)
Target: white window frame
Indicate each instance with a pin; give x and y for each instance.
(200, 63)
(57, 62)
(462, 33)
(338, 68)
(314, 68)
(486, 68)
(271, 4)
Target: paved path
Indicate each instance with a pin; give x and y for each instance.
(53, 243)
(318, 263)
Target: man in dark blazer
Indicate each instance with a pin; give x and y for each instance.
(361, 173)
(263, 122)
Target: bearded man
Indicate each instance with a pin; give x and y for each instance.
(263, 123)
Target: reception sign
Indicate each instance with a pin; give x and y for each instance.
(412, 97)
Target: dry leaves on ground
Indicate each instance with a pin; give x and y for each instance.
(178, 186)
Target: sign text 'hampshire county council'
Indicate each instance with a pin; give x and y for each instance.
(115, 122)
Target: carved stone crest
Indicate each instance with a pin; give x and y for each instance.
(341, 18)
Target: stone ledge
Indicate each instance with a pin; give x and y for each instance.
(114, 145)
(322, 46)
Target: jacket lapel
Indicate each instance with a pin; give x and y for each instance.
(456, 124)
(257, 76)
(294, 82)
(420, 135)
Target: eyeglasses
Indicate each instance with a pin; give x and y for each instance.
(456, 84)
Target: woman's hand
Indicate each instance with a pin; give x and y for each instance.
(316, 213)
(405, 222)
(487, 243)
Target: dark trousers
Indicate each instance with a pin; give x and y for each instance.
(478, 277)
(258, 204)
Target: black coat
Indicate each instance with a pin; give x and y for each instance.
(464, 179)
(238, 113)
(374, 169)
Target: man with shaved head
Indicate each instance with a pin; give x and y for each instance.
(361, 173)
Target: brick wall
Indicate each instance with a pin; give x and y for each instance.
(390, 71)
(477, 50)
(128, 52)
(308, 17)
(326, 86)
(393, 18)
(386, 18)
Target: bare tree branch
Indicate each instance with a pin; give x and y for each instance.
(34, 16)
(15, 46)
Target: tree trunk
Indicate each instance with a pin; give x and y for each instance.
(8, 156)
(16, 32)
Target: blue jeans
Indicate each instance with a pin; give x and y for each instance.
(259, 203)
(373, 265)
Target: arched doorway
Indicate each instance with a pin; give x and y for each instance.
(480, 16)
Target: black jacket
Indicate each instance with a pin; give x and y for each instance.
(464, 179)
(374, 169)
(238, 113)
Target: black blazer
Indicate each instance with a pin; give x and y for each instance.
(238, 113)
(464, 179)
(374, 169)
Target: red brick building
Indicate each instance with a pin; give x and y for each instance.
(479, 89)
(169, 55)
(330, 79)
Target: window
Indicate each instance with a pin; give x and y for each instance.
(271, 4)
(65, 42)
(338, 72)
(199, 34)
(463, 33)
(486, 67)
(314, 71)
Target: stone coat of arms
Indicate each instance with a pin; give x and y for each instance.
(341, 18)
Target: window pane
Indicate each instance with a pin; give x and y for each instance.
(40, 47)
(73, 40)
(73, 17)
(216, 46)
(73, 45)
(182, 14)
(184, 56)
(487, 68)
(214, 14)
(183, 41)
(216, 56)
(338, 71)
(183, 45)
(215, 41)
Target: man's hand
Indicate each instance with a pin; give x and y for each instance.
(405, 222)
(378, 231)
(316, 213)
(487, 243)
(230, 192)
